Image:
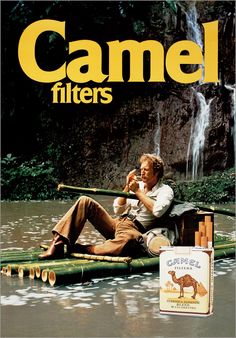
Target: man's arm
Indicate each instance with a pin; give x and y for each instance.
(147, 201)
(156, 206)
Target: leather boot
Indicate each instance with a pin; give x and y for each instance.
(55, 250)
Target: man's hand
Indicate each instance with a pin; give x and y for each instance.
(130, 177)
(133, 185)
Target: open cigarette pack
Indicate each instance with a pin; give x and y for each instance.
(187, 273)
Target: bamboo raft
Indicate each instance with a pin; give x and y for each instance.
(79, 268)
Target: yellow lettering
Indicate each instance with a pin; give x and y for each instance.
(211, 51)
(93, 61)
(89, 67)
(86, 95)
(174, 59)
(136, 50)
(26, 51)
(106, 95)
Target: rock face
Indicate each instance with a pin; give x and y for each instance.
(113, 138)
(171, 112)
(98, 144)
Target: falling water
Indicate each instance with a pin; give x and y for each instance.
(189, 145)
(197, 137)
(232, 89)
(157, 136)
(194, 33)
(199, 125)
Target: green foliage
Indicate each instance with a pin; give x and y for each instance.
(27, 180)
(217, 188)
(34, 179)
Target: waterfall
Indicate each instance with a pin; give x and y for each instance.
(232, 89)
(189, 146)
(201, 122)
(197, 136)
(194, 33)
(157, 136)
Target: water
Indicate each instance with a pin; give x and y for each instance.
(197, 136)
(232, 89)
(199, 125)
(194, 32)
(157, 136)
(113, 307)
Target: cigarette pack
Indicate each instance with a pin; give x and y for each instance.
(186, 280)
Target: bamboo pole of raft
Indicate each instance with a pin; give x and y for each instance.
(23, 268)
(15, 253)
(32, 273)
(53, 264)
(4, 270)
(93, 257)
(100, 269)
(224, 252)
(30, 256)
(225, 246)
(103, 258)
(13, 268)
(118, 193)
(91, 270)
(77, 264)
(44, 275)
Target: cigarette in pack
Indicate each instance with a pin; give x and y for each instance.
(203, 237)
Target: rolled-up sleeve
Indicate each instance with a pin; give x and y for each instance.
(119, 209)
(163, 199)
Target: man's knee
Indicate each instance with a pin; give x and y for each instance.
(84, 200)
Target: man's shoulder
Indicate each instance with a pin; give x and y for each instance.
(165, 187)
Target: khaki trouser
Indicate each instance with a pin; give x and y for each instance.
(118, 232)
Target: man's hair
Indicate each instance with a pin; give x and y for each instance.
(157, 162)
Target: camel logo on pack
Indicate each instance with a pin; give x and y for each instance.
(187, 281)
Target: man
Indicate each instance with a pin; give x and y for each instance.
(136, 216)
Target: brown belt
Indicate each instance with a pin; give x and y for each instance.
(135, 221)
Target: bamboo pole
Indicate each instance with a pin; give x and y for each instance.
(102, 258)
(126, 259)
(52, 264)
(13, 268)
(4, 270)
(117, 193)
(29, 256)
(32, 273)
(100, 269)
(224, 252)
(103, 269)
(95, 191)
(23, 271)
(225, 246)
(15, 253)
(44, 275)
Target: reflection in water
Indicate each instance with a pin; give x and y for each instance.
(119, 306)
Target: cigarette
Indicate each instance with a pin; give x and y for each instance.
(197, 238)
(204, 243)
(202, 228)
(207, 219)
